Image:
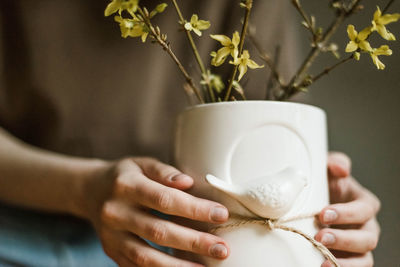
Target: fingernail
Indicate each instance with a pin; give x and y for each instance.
(328, 239)
(218, 251)
(219, 214)
(330, 216)
(180, 177)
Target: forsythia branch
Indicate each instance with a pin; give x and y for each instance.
(167, 47)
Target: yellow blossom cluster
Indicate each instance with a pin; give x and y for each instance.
(231, 47)
(134, 26)
(197, 25)
(213, 80)
(359, 41)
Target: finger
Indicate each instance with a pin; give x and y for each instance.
(164, 174)
(354, 212)
(151, 194)
(341, 190)
(175, 202)
(372, 226)
(364, 207)
(141, 254)
(339, 165)
(357, 241)
(366, 260)
(123, 261)
(166, 233)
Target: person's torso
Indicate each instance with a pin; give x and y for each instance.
(71, 84)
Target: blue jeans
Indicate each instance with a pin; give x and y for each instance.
(28, 238)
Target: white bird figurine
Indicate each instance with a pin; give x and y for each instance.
(267, 196)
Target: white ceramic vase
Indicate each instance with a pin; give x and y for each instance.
(242, 142)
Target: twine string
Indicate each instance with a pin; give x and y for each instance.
(273, 224)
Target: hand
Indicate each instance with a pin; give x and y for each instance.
(119, 202)
(354, 230)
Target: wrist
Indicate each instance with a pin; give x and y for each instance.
(92, 178)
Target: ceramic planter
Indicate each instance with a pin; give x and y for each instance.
(273, 154)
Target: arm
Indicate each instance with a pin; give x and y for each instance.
(116, 198)
(42, 180)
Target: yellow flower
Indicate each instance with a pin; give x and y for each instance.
(357, 56)
(384, 50)
(379, 22)
(159, 9)
(358, 40)
(230, 47)
(197, 25)
(121, 5)
(132, 28)
(214, 81)
(244, 61)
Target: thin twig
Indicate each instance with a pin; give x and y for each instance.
(167, 48)
(194, 49)
(249, 6)
(292, 87)
(329, 69)
(310, 26)
(270, 84)
(317, 49)
(387, 6)
(267, 59)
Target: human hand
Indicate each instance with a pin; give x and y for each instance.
(120, 199)
(353, 230)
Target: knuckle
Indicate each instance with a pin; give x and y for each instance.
(378, 204)
(372, 243)
(124, 184)
(155, 170)
(163, 200)
(158, 233)
(138, 257)
(195, 242)
(195, 209)
(347, 212)
(344, 242)
(108, 213)
(369, 212)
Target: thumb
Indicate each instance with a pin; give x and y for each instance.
(164, 174)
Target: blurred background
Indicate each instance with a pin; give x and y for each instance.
(363, 107)
(361, 102)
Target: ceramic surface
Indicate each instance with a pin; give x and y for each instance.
(243, 143)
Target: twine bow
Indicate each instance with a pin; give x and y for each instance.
(273, 224)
